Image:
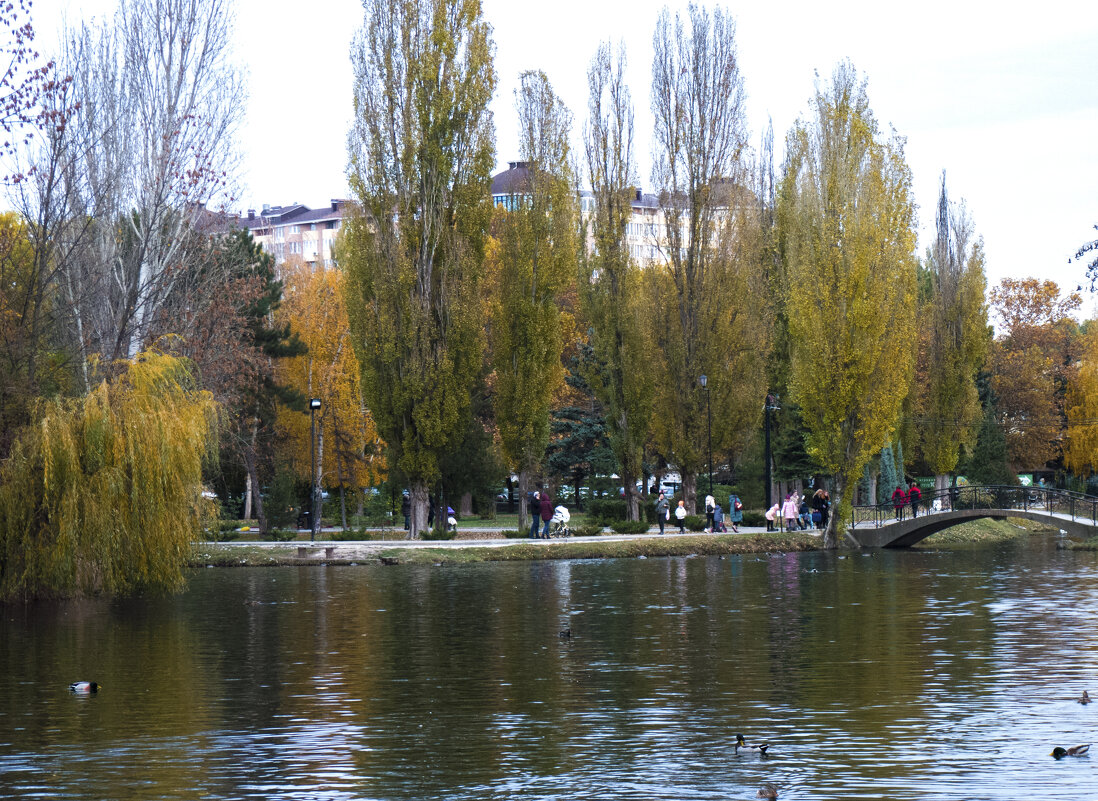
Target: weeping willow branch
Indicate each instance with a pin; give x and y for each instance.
(103, 494)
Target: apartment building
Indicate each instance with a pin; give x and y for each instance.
(642, 233)
(297, 230)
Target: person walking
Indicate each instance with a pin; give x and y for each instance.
(406, 509)
(718, 519)
(663, 510)
(710, 505)
(899, 501)
(805, 514)
(735, 512)
(546, 502)
(915, 495)
(817, 508)
(680, 515)
(789, 511)
(826, 513)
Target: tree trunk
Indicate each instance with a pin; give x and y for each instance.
(247, 515)
(690, 492)
(420, 501)
(524, 489)
(253, 480)
(467, 505)
(632, 501)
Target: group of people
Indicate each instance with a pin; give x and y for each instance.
(800, 513)
(406, 511)
(901, 498)
(714, 514)
(540, 504)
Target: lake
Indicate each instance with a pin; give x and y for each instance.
(919, 674)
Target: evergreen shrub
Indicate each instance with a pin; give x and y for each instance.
(630, 526)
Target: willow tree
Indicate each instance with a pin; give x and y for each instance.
(421, 152)
(704, 314)
(610, 281)
(103, 494)
(846, 221)
(955, 333)
(535, 265)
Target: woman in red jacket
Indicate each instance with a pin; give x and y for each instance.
(899, 501)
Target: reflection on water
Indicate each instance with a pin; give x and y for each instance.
(908, 675)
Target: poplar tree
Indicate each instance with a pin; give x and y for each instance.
(705, 317)
(956, 339)
(610, 282)
(536, 264)
(847, 226)
(421, 152)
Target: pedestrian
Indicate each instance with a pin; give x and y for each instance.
(406, 510)
(817, 508)
(710, 505)
(735, 512)
(826, 508)
(451, 520)
(718, 519)
(915, 495)
(663, 510)
(899, 501)
(789, 511)
(805, 518)
(771, 516)
(546, 502)
(680, 515)
(533, 505)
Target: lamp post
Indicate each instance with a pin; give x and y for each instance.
(314, 404)
(771, 405)
(704, 382)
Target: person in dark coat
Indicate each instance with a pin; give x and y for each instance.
(546, 503)
(899, 501)
(915, 495)
(406, 510)
(663, 510)
(533, 506)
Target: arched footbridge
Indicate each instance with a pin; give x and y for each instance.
(878, 526)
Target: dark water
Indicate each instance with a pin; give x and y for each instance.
(908, 675)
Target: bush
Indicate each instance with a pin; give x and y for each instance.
(695, 522)
(438, 533)
(589, 530)
(281, 535)
(630, 526)
(753, 518)
(609, 509)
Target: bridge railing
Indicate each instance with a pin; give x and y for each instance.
(1073, 505)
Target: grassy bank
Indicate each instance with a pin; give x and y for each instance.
(973, 534)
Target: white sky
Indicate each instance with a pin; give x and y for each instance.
(1004, 100)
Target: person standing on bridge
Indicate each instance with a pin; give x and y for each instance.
(915, 495)
(899, 501)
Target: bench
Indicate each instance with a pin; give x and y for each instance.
(303, 551)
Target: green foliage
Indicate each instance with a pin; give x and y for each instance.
(754, 518)
(694, 522)
(285, 498)
(422, 152)
(589, 530)
(887, 482)
(103, 495)
(608, 509)
(989, 461)
(630, 526)
(847, 219)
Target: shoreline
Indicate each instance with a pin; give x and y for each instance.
(481, 546)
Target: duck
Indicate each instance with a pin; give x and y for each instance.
(1085, 698)
(84, 687)
(565, 634)
(746, 746)
(1077, 750)
(767, 790)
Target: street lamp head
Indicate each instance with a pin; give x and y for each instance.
(703, 381)
(314, 403)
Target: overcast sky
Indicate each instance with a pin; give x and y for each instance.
(1002, 97)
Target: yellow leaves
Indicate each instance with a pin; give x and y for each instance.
(103, 494)
(350, 455)
(1081, 443)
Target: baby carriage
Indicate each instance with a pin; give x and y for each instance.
(558, 523)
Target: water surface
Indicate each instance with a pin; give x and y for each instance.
(888, 675)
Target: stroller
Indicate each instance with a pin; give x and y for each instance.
(559, 523)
